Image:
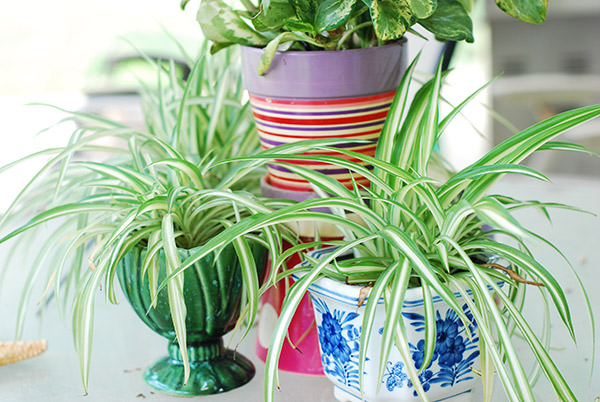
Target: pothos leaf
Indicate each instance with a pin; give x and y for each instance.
(305, 9)
(221, 24)
(391, 18)
(422, 8)
(467, 4)
(294, 24)
(273, 18)
(533, 11)
(332, 13)
(450, 22)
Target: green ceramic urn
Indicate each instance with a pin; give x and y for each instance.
(212, 292)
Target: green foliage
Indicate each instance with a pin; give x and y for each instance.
(533, 11)
(423, 8)
(148, 188)
(332, 13)
(344, 24)
(391, 18)
(409, 229)
(450, 21)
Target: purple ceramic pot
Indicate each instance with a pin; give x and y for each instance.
(323, 94)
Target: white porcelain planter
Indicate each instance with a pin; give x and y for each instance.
(449, 377)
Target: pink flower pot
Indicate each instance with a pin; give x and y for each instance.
(304, 356)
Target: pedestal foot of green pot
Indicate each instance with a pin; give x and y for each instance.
(213, 370)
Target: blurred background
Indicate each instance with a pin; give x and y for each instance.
(85, 56)
(76, 55)
(68, 45)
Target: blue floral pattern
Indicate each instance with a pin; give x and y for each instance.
(451, 363)
(339, 325)
(394, 377)
(454, 352)
(339, 339)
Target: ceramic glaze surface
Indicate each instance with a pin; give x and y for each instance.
(212, 293)
(323, 95)
(448, 377)
(358, 120)
(301, 354)
(325, 74)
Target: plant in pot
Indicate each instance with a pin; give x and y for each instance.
(426, 291)
(136, 214)
(329, 69)
(322, 69)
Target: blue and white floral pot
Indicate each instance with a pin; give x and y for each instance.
(449, 377)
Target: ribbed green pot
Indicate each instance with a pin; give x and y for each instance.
(212, 293)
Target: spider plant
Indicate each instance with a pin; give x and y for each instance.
(145, 193)
(411, 230)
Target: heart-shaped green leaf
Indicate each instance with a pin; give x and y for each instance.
(526, 10)
(422, 8)
(391, 18)
(450, 22)
(332, 13)
(221, 24)
(279, 11)
(299, 26)
(305, 9)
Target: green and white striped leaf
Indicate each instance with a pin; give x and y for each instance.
(290, 303)
(175, 290)
(479, 287)
(481, 315)
(539, 350)
(533, 268)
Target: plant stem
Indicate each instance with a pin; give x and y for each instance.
(350, 32)
(513, 274)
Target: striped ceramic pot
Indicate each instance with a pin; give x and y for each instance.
(320, 95)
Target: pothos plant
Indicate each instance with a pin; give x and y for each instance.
(409, 229)
(143, 189)
(342, 24)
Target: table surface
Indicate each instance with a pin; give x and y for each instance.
(123, 346)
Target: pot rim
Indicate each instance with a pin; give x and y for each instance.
(323, 75)
(349, 294)
(316, 53)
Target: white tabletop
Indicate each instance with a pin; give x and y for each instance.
(123, 346)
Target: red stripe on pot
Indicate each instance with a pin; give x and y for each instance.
(329, 121)
(316, 163)
(346, 111)
(322, 102)
(367, 150)
(285, 183)
(356, 120)
(293, 137)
